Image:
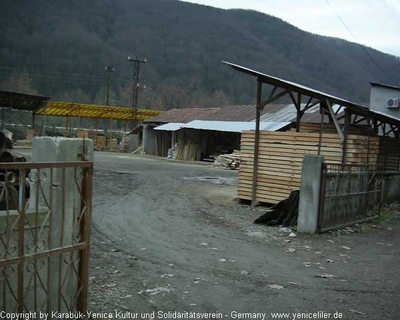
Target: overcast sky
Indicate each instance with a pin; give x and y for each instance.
(374, 23)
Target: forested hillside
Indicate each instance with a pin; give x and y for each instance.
(60, 49)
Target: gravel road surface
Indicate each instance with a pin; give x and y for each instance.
(169, 236)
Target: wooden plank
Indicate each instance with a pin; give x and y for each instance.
(289, 179)
(275, 189)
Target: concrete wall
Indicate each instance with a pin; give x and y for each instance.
(391, 187)
(149, 140)
(378, 98)
(134, 142)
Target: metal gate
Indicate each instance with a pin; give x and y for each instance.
(349, 194)
(45, 214)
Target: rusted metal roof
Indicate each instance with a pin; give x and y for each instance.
(232, 113)
(271, 113)
(182, 115)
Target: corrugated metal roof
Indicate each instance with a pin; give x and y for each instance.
(172, 126)
(182, 115)
(233, 126)
(288, 112)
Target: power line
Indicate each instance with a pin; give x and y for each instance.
(355, 38)
(64, 75)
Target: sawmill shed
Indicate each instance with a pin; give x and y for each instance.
(347, 133)
(203, 134)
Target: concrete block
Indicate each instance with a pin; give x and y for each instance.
(50, 149)
(310, 194)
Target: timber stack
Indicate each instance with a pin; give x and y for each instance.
(281, 155)
(228, 161)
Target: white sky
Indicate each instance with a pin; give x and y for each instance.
(374, 23)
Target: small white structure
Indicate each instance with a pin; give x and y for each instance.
(385, 99)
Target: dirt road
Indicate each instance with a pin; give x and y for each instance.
(164, 241)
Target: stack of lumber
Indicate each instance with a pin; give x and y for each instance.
(389, 153)
(112, 145)
(99, 143)
(228, 161)
(329, 128)
(187, 152)
(83, 134)
(92, 134)
(281, 155)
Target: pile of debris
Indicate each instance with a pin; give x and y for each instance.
(10, 178)
(228, 161)
(283, 213)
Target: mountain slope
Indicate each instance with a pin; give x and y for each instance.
(64, 46)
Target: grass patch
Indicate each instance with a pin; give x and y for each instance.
(387, 214)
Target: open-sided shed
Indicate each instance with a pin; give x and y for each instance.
(271, 164)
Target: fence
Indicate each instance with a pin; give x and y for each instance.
(45, 213)
(349, 194)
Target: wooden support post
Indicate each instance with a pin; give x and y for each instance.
(297, 104)
(173, 139)
(334, 119)
(44, 122)
(347, 119)
(3, 118)
(273, 98)
(66, 125)
(321, 129)
(369, 138)
(33, 122)
(256, 142)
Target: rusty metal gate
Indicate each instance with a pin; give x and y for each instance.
(349, 194)
(45, 213)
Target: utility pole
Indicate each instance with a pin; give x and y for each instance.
(136, 85)
(109, 70)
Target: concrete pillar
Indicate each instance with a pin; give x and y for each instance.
(62, 198)
(307, 221)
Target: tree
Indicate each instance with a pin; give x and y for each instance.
(21, 82)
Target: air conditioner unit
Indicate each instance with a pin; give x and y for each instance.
(392, 103)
